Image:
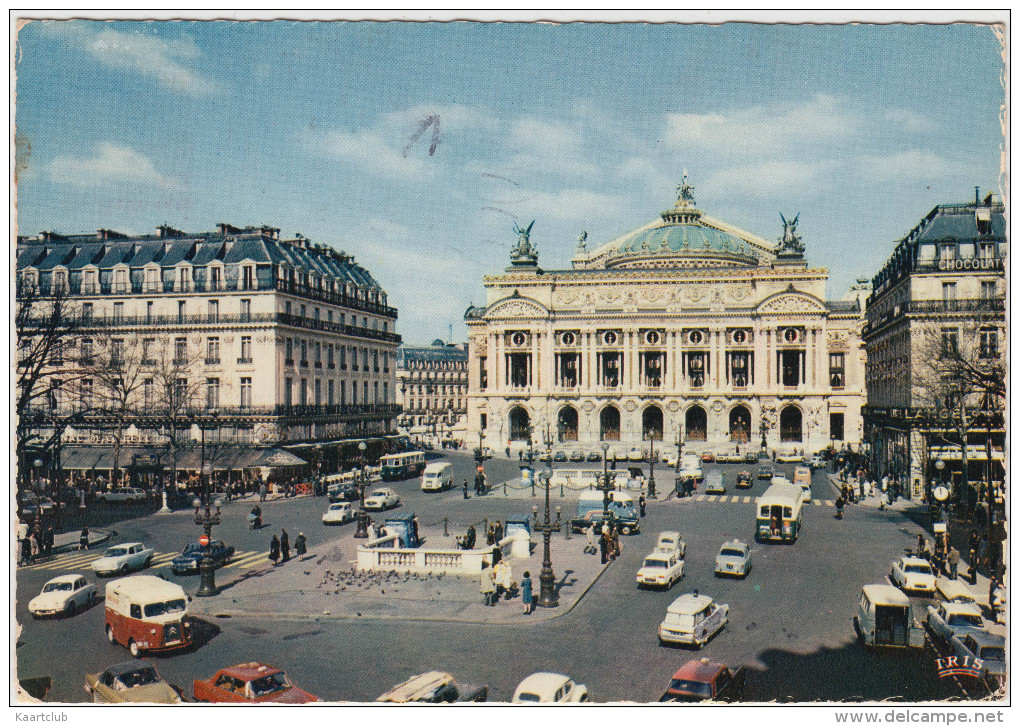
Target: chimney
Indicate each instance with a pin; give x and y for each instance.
(977, 196)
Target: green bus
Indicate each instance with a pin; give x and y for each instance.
(402, 466)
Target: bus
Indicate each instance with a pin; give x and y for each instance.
(779, 513)
(402, 466)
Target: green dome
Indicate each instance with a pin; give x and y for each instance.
(673, 238)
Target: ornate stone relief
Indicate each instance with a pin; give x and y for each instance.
(791, 304)
(673, 406)
(630, 406)
(515, 308)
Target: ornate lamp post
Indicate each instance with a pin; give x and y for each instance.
(604, 486)
(547, 592)
(362, 532)
(651, 464)
(206, 520)
(318, 470)
(679, 446)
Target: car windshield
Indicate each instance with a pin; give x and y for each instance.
(115, 552)
(193, 548)
(993, 652)
(965, 619)
(650, 562)
(697, 687)
(55, 586)
(269, 684)
(730, 552)
(529, 698)
(680, 620)
(919, 569)
(140, 677)
(155, 609)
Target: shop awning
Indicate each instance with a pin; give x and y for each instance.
(277, 458)
(975, 452)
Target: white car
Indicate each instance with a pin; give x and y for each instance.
(123, 494)
(339, 513)
(946, 619)
(123, 558)
(549, 688)
(693, 619)
(636, 454)
(670, 460)
(660, 569)
(817, 462)
(734, 559)
(913, 573)
(384, 498)
(670, 542)
(789, 456)
(64, 595)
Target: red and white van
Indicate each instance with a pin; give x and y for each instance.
(147, 613)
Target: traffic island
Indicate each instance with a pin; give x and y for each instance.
(327, 584)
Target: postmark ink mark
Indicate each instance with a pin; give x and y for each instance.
(432, 121)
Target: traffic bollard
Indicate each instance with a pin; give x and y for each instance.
(446, 531)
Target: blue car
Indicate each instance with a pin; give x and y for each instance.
(188, 560)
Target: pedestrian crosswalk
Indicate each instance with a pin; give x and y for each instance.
(244, 560)
(748, 500)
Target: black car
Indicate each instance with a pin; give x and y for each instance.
(188, 560)
(594, 456)
(765, 471)
(343, 493)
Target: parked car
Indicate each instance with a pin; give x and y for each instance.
(817, 462)
(989, 648)
(122, 558)
(703, 680)
(133, 681)
(670, 459)
(693, 619)
(560, 456)
(636, 454)
(660, 569)
(946, 619)
(714, 483)
(434, 687)
(671, 541)
(30, 503)
(339, 513)
(188, 560)
(788, 456)
(954, 591)
(744, 480)
(343, 492)
(122, 494)
(594, 456)
(765, 471)
(65, 595)
(383, 498)
(545, 456)
(549, 688)
(250, 683)
(577, 456)
(751, 457)
(734, 559)
(708, 457)
(913, 573)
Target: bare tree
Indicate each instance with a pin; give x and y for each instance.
(119, 369)
(176, 389)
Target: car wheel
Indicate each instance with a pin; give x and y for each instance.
(109, 634)
(124, 569)
(134, 649)
(148, 562)
(857, 629)
(625, 530)
(70, 609)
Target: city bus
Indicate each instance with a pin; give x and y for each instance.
(402, 466)
(779, 512)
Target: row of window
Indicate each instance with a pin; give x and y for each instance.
(301, 393)
(431, 390)
(988, 290)
(416, 404)
(333, 352)
(317, 315)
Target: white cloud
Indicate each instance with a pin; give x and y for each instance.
(909, 121)
(372, 151)
(913, 164)
(763, 129)
(167, 61)
(775, 179)
(566, 204)
(111, 164)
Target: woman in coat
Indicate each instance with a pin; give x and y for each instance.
(274, 549)
(526, 593)
(488, 586)
(300, 544)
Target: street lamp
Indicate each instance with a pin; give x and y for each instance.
(547, 580)
(651, 464)
(604, 486)
(362, 532)
(318, 470)
(679, 446)
(206, 520)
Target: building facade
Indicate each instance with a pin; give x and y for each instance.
(939, 298)
(432, 387)
(248, 338)
(686, 329)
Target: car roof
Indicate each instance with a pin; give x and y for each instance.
(250, 671)
(147, 587)
(416, 687)
(128, 666)
(672, 533)
(689, 604)
(881, 593)
(699, 669)
(915, 561)
(971, 608)
(983, 637)
(734, 543)
(952, 589)
(65, 578)
(543, 682)
(659, 555)
(126, 544)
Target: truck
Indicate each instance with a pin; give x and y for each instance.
(621, 507)
(885, 619)
(434, 687)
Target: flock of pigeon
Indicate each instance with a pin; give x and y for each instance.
(354, 579)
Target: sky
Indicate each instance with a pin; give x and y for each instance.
(416, 147)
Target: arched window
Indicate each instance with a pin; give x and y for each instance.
(609, 424)
(791, 424)
(651, 423)
(520, 424)
(566, 424)
(696, 423)
(740, 424)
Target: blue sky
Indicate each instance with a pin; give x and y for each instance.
(318, 128)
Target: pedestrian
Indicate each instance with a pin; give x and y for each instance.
(490, 535)
(615, 534)
(520, 454)
(506, 579)
(284, 546)
(499, 531)
(25, 555)
(83, 539)
(921, 545)
(982, 553)
(300, 546)
(262, 492)
(604, 546)
(953, 559)
(488, 585)
(526, 593)
(48, 540)
(508, 451)
(589, 547)
(274, 549)
(465, 490)
(33, 540)
(641, 504)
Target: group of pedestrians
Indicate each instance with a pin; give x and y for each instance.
(497, 582)
(34, 542)
(279, 547)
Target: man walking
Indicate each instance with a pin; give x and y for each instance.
(465, 490)
(284, 546)
(953, 559)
